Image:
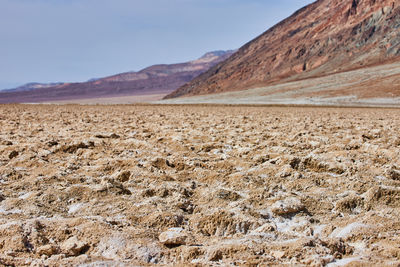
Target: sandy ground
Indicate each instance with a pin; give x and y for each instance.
(199, 186)
(112, 100)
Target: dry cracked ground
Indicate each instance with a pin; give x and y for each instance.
(199, 185)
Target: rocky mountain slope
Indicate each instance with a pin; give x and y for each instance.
(370, 86)
(157, 79)
(323, 38)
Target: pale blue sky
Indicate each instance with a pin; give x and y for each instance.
(75, 40)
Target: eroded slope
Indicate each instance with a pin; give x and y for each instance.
(328, 36)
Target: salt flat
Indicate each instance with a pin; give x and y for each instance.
(198, 185)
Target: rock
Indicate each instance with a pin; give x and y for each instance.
(335, 168)
(162, 220)
(111, 136)
(348, 230)
(122, 176)
(260, 159)
(114, 136)
(287, 206)
(73, 148)
(228, 195)
(286, 171)
(278, 254)
(383, 196)
(52, 143)
(190, 253)
(149, 193)
(265, 228)
(112, 186)
(350, 204)
(222, 223)
(186, 206)
(162, 164)
(173, 237)
(74, 247)
(397, 142)
(47, 250)
(394, 174)
(215, 255)
(297, 175)
(337, 246)
(295, 163)
(13, 154)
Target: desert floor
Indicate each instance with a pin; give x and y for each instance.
(201, 185)
(133, 99)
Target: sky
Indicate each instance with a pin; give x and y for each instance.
(76, 40)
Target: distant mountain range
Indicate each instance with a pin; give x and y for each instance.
(325, 38)
(329, 52)
(31, 86)
(157, 79)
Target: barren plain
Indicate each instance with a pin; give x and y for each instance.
(199, 186)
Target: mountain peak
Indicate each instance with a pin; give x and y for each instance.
(217, 53)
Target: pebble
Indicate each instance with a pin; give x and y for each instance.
(73, 246)
(47, 250)
(13, 154)
(287, 206)
(173, 237)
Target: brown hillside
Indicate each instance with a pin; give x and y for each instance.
(328, 36)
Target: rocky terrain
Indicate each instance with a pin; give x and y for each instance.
(199, 186)
(154, 80)
(326, 37)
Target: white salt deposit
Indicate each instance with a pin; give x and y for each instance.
(348, 230)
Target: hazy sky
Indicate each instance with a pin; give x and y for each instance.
(75, 40)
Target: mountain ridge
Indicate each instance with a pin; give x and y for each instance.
(156, 79)
(31, 86)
